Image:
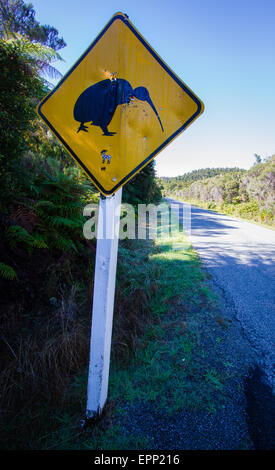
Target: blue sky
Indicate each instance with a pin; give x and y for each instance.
(223, 50)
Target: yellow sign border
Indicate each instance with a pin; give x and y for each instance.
(200, 106)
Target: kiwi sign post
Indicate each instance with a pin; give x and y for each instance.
(114, 111)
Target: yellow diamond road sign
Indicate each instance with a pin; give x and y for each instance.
(118, 106)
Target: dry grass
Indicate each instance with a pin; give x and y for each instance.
(41, 353)
(131, 315)
(37, 361)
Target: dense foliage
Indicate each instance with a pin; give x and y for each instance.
(19, 17)
(46, 264)
(249, 194)
(196, 175)
(143, 188)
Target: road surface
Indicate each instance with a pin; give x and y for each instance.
(240, 256)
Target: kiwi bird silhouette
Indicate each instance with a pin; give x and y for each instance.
(97, 104)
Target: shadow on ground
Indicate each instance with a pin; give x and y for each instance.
(260, 410)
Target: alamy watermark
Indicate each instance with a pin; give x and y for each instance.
(149, 221)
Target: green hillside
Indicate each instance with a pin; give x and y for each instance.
(246, 193)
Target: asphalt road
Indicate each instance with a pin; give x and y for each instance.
(240, 256)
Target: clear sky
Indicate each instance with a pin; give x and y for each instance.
(224, 50)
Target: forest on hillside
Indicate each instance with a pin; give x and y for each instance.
(46, 264)
(249, 194)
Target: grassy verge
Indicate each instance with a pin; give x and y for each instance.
(167, 365)
(244, 211)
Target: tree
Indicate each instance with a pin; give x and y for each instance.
(258, 158)
(20, 87)
(22, 62)
(143, 188)
(37, 42)
(18, 17)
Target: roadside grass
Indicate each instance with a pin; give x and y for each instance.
(231, 210)
(170, 367)
(168, 364)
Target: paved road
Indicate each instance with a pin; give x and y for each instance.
(240, 257)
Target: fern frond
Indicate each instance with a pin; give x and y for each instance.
(7, 272)
(39, 241)
(65, 244)
(70, 207)
(17, 234)
(43, 207)
(58, 221)
(44, 204)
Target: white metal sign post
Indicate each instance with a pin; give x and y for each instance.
(103, 302)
